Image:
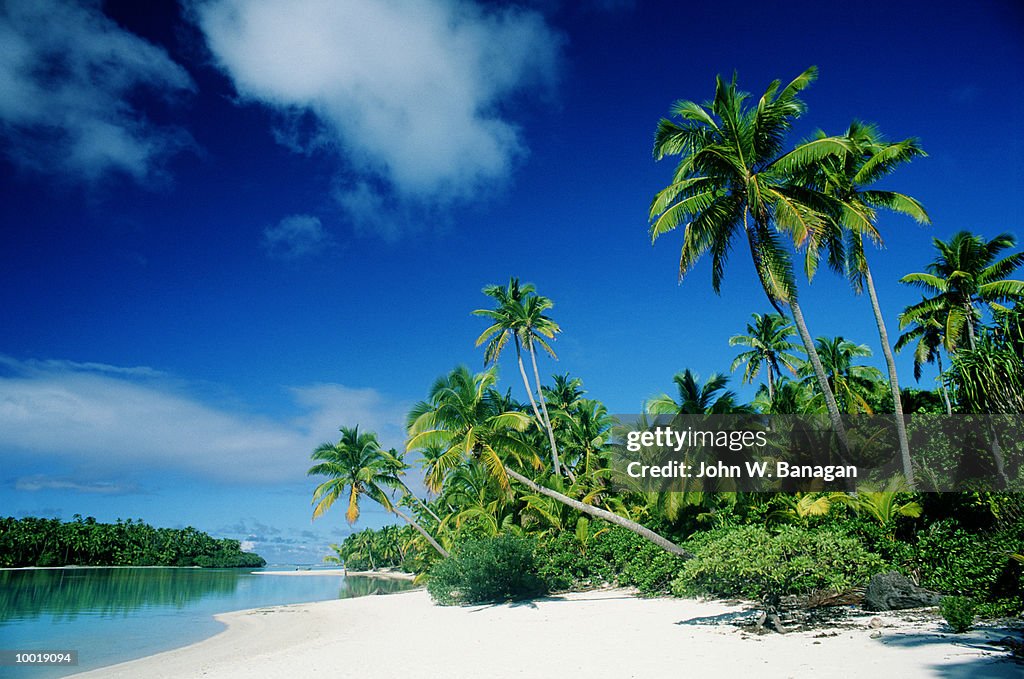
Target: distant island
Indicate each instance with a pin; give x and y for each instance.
(86, 542)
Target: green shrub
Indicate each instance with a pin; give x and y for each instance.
(752, 562)
(959, 612)
(956, 561)
(615, 557)
(486, 570)
(563, 564)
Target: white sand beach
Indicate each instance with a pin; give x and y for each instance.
(608, 633)
(341, 572)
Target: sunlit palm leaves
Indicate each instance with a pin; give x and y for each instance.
(356, 463)
(967, 274)
(463, 417)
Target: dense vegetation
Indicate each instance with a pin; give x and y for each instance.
(538, 469)
(86, 542)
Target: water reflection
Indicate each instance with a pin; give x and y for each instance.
(66, 593)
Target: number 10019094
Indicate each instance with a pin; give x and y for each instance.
(19, 657)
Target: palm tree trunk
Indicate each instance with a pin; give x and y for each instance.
(422, 531)
(997, 452)
(942, 385)
(771, 383)
(422, 503)
(633, 526)
(894, 385)
(970, 326)
(819, 373)
(526, 383)
(547, 419)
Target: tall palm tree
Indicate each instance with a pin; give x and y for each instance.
(709, 398)
(967, 274)
(768, 339)
(359, 464)
(849, 179)
(734, 182)
(519, 316)
(927, 330)
(461, 414)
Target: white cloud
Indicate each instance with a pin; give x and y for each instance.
(410, 95)
(67, 75)
(110, 422)
(295, 237)
(41, 482)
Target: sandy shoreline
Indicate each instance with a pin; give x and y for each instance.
(341, 572)
(608, 633)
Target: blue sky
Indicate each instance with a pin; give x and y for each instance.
(228, 227)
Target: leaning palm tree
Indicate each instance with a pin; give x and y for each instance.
(967, 274)
(768, 339)
(463, 414)
(849, 178)
(519, 316)
(733, 182)
(358, 464)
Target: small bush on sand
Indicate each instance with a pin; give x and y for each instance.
(958, 612)
(485, 571)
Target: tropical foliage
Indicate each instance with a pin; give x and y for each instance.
(87, 542)
(519, 485)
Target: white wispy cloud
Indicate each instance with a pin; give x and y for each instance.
(39, 482)
(68, 76)
(296, 237)
(410, 96)
(115, 423)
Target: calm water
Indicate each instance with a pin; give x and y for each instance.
(110, 615)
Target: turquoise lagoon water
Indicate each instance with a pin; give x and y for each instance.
(110, 615)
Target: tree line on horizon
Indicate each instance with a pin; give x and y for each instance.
(85, 541)
(495, 465)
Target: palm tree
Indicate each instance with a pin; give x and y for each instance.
(358, 463)
(462, 415)
(967, 274)
(710, 398)
(851, 383)
(849, 178)
(519, 316)
(928, 331)
(733, 181)
(792, 397)
(768, 339)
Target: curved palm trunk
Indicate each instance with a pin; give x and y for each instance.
(633, 526)
(547, 419)
(894, 386)
(771, 383)
(422, 531)
(819, 373)
(422, 503)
